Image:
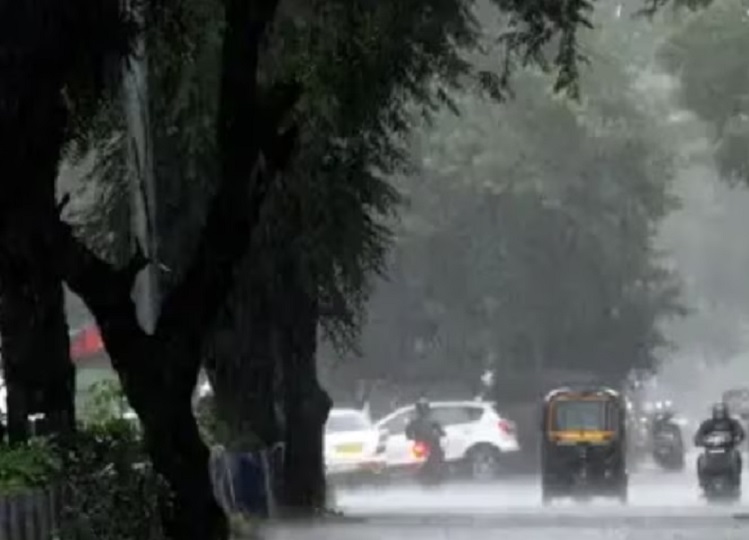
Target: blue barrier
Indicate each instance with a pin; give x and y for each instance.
(245, 481)
(250, 486)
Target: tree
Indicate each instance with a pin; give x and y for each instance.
(53, 69)
(503, 195)
(706, 54)
(399, 49)
(159, 371)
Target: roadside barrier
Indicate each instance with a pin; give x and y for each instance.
(29, 515)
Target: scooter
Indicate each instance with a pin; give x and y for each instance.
(432, 470)
(719, 465)
(668, 448)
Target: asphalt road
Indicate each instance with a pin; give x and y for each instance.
(662, 506)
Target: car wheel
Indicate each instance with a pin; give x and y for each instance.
(483, 463)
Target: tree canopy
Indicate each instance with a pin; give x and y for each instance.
(528, 239)
(706, 52)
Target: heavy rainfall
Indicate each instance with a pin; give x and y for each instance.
(346, 269)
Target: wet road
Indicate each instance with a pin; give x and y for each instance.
(662, 507)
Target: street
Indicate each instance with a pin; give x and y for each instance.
(662, 506)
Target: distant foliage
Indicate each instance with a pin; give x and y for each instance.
(707, 52)
(528, 244)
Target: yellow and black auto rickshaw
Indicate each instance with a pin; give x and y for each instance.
(584, 446)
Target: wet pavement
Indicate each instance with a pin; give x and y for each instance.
(663, 506)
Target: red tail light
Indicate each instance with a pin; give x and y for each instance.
(420, 450)
(506, 427)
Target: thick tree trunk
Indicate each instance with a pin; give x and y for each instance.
(306, 404)
(158, 373)
(243, 367)
(36, 349)
(181, 457)
(36, 355)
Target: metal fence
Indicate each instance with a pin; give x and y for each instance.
(29, 515)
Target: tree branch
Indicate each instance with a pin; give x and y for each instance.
(244, 133)
(106, 290)
(248, 129)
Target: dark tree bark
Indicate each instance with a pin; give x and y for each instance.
(159, 371)
(36, 348)
(242, 366)
(36, 356)
(306, 404)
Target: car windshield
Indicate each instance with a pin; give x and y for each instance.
(346, 422)
(580, 415)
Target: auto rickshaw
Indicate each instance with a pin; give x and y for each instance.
(584, 446)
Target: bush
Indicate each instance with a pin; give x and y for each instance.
(105, 401)
(112, 492)
(35, 464)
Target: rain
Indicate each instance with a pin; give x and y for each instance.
(337, 269)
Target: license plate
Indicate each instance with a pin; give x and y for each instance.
(352, 448)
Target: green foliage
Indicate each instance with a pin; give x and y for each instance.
(363, 66)
(707, 53)
(529, 242)
(534, 26)
(28, 466)
(105, 401)
(213, 428)
(111, 491)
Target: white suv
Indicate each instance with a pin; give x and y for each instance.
(475, 435)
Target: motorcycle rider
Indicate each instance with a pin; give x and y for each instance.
(663, 421)
(425, 429)
(666, 436)
(721, 421)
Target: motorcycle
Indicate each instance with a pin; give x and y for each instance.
(668, 448)
(432, 458)
(719, 466)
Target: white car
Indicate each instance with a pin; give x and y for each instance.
(353, 444)
(475, 435)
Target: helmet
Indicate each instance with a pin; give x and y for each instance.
(720, 411)
(422, 406)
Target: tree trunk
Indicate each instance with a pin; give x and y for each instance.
(158, 373)
(180, 456)
(36, 349)
(33, 327)
(243, 368)
(306, 404)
